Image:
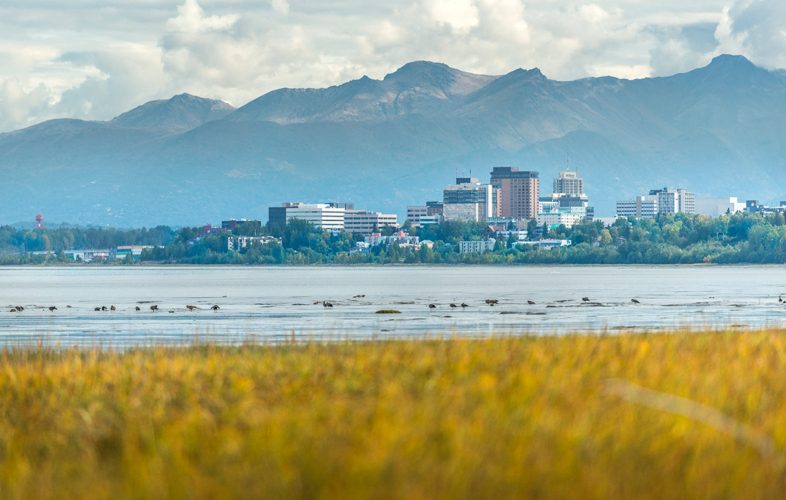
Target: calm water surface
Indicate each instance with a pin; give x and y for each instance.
(266, 303)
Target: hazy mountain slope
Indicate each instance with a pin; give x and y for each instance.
(384, 144)
(418, 87)
(183, 111)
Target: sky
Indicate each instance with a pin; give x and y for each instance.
(95, 59)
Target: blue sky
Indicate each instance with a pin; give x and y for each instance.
(94, 59)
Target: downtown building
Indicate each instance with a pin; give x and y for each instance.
(467, 200)
(659, 201)
(364, 222)
(515, 194)
(567, 205)
(430, 213)
(331, 216)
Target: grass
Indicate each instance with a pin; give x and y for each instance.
(531, 417)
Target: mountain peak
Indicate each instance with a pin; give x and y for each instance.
(729, 60)
(183, 111)
(419, 68)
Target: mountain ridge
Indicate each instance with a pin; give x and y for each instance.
(388, 143)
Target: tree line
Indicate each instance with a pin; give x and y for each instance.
(668, 239)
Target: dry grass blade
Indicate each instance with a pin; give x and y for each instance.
(695, 411)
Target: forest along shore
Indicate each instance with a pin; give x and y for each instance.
(669, 239)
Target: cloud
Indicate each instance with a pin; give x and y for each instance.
(754, 28)
(20, 107)
(71, 59)
(191, 19)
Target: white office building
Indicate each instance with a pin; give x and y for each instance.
(672, 201)
(555, 219)
(715, 207)
(363, 222)
(321, 215)
(643, 207)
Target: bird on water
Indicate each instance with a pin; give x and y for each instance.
(635, 301)
(215, 307)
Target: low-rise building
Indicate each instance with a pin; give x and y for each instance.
(401, 238)
(715, 207)
(659, 201)
(545, 244)
(643, 207)
(363, 222)
(477, 246)
(134, 250)
(239, 242)
(431, 219)
(556, 219)
(414, 213)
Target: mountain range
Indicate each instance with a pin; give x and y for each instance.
(385, 144)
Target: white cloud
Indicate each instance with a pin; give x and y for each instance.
(461, 15)
(191, 19)
(280, 6)
(71, 59)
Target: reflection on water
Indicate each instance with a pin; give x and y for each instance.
(271, 303)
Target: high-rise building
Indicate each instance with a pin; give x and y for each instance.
(517, 193)
(467, 199)
(569, 183)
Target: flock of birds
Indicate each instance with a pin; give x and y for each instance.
(325, 303)
(493, 302)
(16, 309)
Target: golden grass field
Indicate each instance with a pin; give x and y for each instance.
(508, 417)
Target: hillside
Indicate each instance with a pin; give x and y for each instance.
(384, 144)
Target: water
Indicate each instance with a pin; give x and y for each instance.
(270, 303)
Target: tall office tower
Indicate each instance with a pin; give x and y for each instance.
(467, 200)
(569, 183)
(517, 195)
